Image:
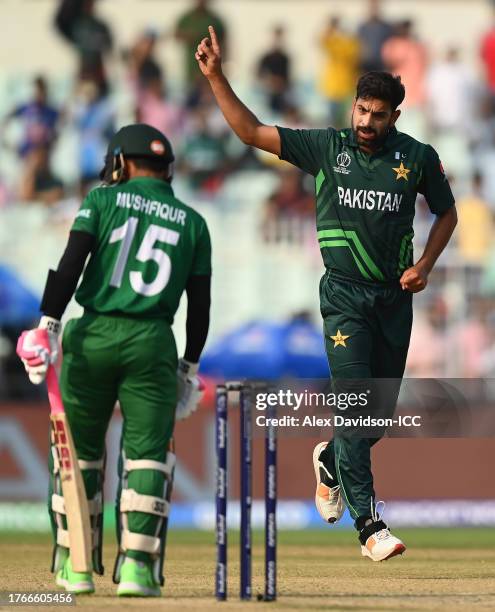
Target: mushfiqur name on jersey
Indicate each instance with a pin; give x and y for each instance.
(163, 210)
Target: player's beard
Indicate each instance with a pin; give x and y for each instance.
(374, 143)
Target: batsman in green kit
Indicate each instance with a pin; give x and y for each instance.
(145, 248)
(367, 178)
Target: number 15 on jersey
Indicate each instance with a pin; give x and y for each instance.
(147, 252)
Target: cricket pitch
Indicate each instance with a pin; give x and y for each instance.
(443, 569)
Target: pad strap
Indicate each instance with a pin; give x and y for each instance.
(58, 505)
(138, 541)
(131, 501)
(56, 463)
(91, 465)
(63, 538)
(149, 464)
(83, 465)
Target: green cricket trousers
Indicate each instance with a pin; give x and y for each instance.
(367, 329)
(133, 361)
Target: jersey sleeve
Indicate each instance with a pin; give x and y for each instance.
(202, 253)
(434, 184)
(88, 215)
(304, 148)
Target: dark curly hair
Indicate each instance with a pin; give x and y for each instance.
(382, 86)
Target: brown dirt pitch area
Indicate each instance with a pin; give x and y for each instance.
(449, 569)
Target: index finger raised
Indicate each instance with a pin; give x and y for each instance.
(214, 39)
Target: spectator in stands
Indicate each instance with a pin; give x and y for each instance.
(475, 227)
(487, 52)
(487, 356)
(289, 206)
(5, 194)
(449, 86)
(372, 35)
(90, 36)
(341, 54)
(274, 72)
(94, 119)
(429, 330)
(469, 340)
(191, 27)
(154, 108)
(294, 118)
(204, 157)
(142, 63)
(405, 55)
(38, 117)
(482, 129)
(38, 183)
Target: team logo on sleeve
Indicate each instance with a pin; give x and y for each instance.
(339, 339)
(343, 161)
(402, 172)
(85, 213)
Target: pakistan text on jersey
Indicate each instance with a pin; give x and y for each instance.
(369, 199)
(151, 207)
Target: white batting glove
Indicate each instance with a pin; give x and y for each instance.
(190, 389)
(38, 348)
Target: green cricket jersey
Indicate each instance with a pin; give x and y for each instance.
(365, 204)
(148, 243)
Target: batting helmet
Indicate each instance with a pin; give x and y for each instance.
(136, 140)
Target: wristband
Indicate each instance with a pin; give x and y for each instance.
(188, 369)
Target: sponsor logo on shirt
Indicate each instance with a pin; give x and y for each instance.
(343, 161)
(369, 199)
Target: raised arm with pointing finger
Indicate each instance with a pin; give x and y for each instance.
(367, 177)
(244, 123)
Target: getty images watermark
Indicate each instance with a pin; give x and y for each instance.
(375, 407)
(349, 402)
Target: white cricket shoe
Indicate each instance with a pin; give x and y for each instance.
(328, 498)
(382, 545)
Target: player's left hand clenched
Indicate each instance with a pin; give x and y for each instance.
(414, 279)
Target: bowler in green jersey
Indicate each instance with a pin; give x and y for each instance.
(143, 248)
(367, 178)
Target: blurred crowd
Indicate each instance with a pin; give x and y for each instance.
(447, 104)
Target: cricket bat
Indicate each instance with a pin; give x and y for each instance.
(73, 491)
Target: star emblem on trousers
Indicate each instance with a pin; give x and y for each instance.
(339, 339)
(402, 172)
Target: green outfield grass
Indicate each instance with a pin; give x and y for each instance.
(443, 569)
(419, 538)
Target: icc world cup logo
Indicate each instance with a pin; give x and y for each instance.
(343, 159)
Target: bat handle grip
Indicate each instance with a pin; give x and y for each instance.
(54, 395)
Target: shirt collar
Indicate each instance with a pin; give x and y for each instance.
(167, 187)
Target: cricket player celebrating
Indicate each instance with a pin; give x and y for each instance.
(145, 247)
(367, 178)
